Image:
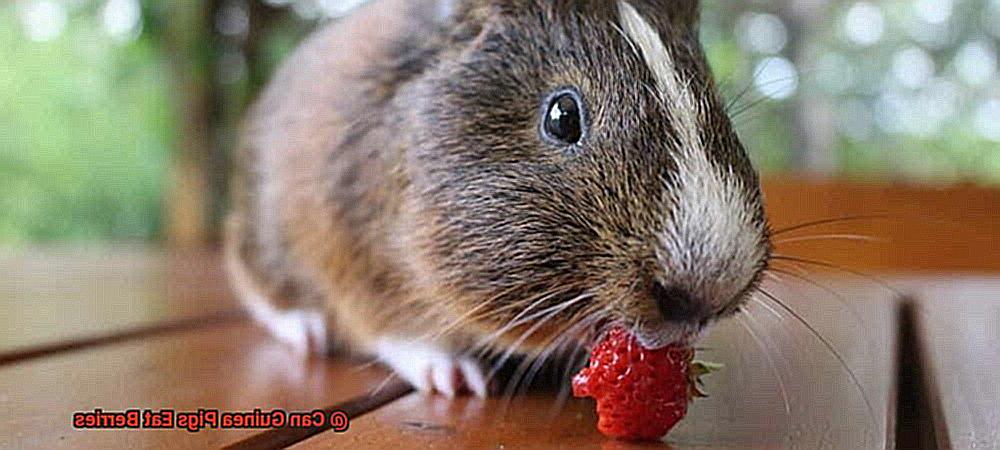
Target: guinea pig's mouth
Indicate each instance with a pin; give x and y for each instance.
(530, 334)
(670, 333)
(650, 336)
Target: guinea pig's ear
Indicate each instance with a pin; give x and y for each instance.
(676, 13)
(467, 19)
(451, 11)
(463, 18)
(482, 9)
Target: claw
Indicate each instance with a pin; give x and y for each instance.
(430, 369)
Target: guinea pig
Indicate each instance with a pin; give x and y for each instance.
(432, 181)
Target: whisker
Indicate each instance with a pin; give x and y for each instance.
(770, 361)
(365, 366)
(843, 301)
(873, 279)
(487, 344)
(751, 105)
(840, 298)
(580, 352)
(564, 337)
(469, 316)
(749, 117)
(825, 237)
(826, 343)
(499, 364)
(518, 319)
(762, 96)
(527, 370)
(746, 89)
(382, 384)
(774, 275)
(816, 223)
(473, 316)
(551, 312)
(565, 390)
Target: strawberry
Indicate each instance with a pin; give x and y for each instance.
(641, 393)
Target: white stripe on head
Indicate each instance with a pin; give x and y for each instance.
(711, 232)
(682, 104)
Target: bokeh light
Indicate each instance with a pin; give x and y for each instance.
(762, 33)
(987, 119)
(912, 67)
(864, 24)
(934, 11)
(776, 78)
(122, 19)
(43, 20)
(904, 88)
(976, 62)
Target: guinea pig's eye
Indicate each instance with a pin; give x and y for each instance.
(563, 120)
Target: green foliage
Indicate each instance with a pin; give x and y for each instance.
(85, 128)
(901, 104)
(87, 122)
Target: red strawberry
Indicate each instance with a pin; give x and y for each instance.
(641, 393)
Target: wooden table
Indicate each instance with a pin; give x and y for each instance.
(956, 326)
(140, 329)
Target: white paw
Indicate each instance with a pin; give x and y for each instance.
(430, 369)
(304, 331)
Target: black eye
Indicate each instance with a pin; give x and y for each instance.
(563, 121)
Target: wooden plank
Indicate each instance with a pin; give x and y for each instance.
(57, 299)
(284, 437)
(924, 228)
(229, 367)
(958, 326)
(778, 363)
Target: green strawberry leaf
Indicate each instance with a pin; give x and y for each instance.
(699, 369)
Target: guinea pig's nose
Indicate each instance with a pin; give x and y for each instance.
(676, 304)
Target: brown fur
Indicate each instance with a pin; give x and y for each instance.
(394, 177)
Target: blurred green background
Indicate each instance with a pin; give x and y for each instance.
(99, 98)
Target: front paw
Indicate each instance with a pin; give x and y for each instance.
(429, 368)
(303, 330)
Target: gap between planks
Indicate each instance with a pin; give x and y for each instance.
(919, 415)
(354, 408)
(175, 326)
(916, 422)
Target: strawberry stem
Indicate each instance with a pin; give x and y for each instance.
(698, 370)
